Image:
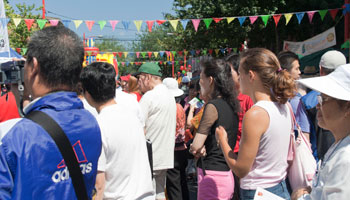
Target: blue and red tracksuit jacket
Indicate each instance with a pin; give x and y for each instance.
(32, 167)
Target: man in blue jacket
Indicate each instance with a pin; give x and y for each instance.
(31, 165)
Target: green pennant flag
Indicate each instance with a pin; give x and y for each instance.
(157, 62)
(174, 53)
(204, 51)
(345, 45)
(265, 18)
(41, 23)
(89, 53)
(322, 13)
(24, 51)
(197, 61)
(143, 54)
(207, 22)
(102, 23)
(177, 62)
(234, 50)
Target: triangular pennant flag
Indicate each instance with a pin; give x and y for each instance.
(185, 52)
(234, 50)
(123, 63)
(143, 54)
(149, 25)
(115, 54)
(66, 22)
(53, 22)
(102, 24)
(322, 13)
(160, 22)
(217, 20)
(131, 53)
(204, 51)
(300, 16)
(174, 23)
(265, 18)
(222, 51)
(113, 23)
(174, 53)
(277, 18)
(89, 53)
(310, 14)
(184, 23)
(138, 24)
(89, 24)
(193, 52)
(229, 50)
(126, 24)
(29, 23)
(155, 54)
(241, 20)
(345, 45)
(177, 62)
(18, 50)
(180, 53)
(127, 63)
(4, 22)
(41, 23)
(253, 19)
(125, 54)
(217, 51)
(210, 51)
(333, 13)
(161, 53)
(149, 54)
(198, 52)
(207, 22)
(132, 63)
(120, 54)
(195, 23)
(16, 21)
(24, 51)
(230, 19)
(77, 23)
(137, 54)
(288, 16)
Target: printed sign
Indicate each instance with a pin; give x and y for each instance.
(4, 40)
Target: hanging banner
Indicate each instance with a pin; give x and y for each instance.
(312, 45)
(4, 39)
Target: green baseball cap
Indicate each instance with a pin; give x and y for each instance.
(149, 68)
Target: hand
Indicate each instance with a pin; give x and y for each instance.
(220, 134)
(192, 107)
(197, 154)
(299, 192)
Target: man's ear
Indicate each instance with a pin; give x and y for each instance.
(211, 80)
(34, 68)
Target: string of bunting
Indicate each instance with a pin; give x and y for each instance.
(184, 22)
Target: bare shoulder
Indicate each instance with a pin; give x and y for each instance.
(256, 118)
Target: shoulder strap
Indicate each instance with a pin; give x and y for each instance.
(65, 147)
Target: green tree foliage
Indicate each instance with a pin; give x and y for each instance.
(19, 35)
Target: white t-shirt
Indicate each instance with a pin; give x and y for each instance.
(124, 157)
(88, 107)
(159, 109)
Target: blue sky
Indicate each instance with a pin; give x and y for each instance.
(105, 10)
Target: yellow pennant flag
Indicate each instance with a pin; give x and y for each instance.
(126, 54)
(138, 24)
(185, 52)
(288, 16)
(155, 54)
(131, 63)
(230, 19)
(17, 21)
(174, 23)
(217, 51)
(77, 23)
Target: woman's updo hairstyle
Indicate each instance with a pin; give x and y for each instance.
(265, 63)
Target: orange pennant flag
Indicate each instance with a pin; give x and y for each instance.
(150, 25)
(89, 24)
(29, 23)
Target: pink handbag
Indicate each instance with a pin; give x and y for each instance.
(302, 164)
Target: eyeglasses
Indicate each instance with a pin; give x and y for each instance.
(322, 100)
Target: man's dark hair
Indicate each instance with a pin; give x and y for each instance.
(233, 59)
(98, 79)
(60, 55)
(286, 58)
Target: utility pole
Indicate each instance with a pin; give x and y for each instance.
(43, 9)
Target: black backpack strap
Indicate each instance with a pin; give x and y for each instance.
(65, 147)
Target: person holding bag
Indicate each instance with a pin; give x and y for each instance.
(333, 111)
(262, 158)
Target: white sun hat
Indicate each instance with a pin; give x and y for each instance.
(173, 86)
(335, 84)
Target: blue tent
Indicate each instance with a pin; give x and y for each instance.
(13, 54)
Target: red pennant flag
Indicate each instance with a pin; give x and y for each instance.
(113, 23)
(150, 25)
(89, 24)
(253, 19)
(160, 22)
(180, 53)
(18, 50)
(160, 62)
(229, 50)
(115, 54)
(29, 23)
(210, 51)
(198, 52)
(137, 54)
(217, 20)
(277, 18)
(333, 13)
(120, 54)
(149, 54)
(181, 62)
(310, 14)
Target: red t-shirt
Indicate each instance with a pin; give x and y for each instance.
(245, 103)
(8, 109)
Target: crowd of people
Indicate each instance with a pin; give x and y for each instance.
(145, 135)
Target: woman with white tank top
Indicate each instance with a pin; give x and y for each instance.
(262, 157)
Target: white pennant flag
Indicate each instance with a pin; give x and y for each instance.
(17, 21)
